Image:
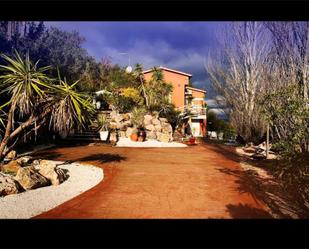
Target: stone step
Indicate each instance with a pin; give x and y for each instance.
(83, 139)
(84, 136)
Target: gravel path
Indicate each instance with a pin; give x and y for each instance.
(127, 142)
(33, 202)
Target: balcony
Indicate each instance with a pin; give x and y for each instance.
(194, 111)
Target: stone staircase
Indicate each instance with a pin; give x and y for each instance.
(91, 135)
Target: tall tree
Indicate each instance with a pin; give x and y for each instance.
(238, 73)
(291, 57)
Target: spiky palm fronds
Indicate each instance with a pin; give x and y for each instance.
(24, 81)
(2, 116)
(71, 107)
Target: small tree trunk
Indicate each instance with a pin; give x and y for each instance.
(7, 133)
(144, 93)
(23, 126)
(267, 141)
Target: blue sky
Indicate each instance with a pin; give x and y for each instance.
(182, 46)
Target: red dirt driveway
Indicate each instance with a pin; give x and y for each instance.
(195, 182)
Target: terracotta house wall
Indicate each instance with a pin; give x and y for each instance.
(178, 82)
(200, 95)
(197, 94)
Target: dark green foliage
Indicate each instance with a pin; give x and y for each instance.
(168, 111)
(288, 115)
(51, 46)
(218, 125)
(138, 116)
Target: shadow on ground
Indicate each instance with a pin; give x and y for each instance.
(102, 158)
(268, 191)
(244, 211)
(48, 155)
(282, 203)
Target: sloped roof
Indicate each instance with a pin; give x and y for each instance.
(196, 89)
(170, 70)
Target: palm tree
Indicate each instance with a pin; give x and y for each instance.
(138, 71)
(35, 97)
(157, 89)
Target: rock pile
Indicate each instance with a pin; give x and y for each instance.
(156, 128)
(24, 174)
(256, 152)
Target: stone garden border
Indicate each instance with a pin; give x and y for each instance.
(34, 202)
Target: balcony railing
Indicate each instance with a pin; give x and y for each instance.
(194, 110)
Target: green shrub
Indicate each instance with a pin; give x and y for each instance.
(138, 114)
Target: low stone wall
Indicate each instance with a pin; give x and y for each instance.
(156, 128)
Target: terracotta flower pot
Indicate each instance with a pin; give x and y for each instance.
(134, 137)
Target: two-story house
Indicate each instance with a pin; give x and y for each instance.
(186, 98)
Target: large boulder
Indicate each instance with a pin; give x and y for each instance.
(121, 126)
(8, 185)
(155, 121)
(127, 123)
(167, 128)
(127, 116)
(158, 127)
(12, 167)
(150, 127)
(163, 120)
(119, 118)
(147, 119)
(151, 135)
(50, 171)
(113, 115)
(30, 178)
(113, 125)
(164, 138)
(24, 160)
(11, 155)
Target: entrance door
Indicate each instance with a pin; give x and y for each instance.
(195, 127)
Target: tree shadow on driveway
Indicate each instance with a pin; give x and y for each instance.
(245, 211)
(102, 158)
(280, 202)
(266, 190)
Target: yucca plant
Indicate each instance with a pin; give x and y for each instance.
(36, 97)
(71, 108)
(24, 82)
(2, 118)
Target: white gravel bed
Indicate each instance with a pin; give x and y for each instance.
(34, 202)
(127, 142)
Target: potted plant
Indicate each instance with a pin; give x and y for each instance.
(103, 130)
(141, 134)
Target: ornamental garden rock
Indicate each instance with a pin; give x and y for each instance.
(8, 185)
(30, 178)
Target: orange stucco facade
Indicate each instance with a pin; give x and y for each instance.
(179, 81)
(186, 96)
(198, 94)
